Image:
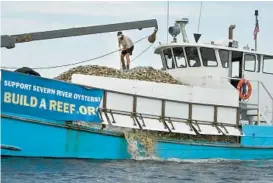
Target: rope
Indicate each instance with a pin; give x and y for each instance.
(75, 63)
(142, 52)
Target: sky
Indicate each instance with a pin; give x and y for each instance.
(23, 17)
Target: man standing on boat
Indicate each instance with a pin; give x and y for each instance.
(126, 46)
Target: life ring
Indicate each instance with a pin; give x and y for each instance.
(244, 92)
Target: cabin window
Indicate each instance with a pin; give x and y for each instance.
(193, 57)
(163, 61)
(179, 57)
(208, 57)
(268, 64)
(250, 63)
(258, 64)
(224, 57)
(169, 58)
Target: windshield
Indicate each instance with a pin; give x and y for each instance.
(208, 57)
(169, 58)
(192, 56)
(179, 57)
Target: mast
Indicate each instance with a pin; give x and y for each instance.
(168, 17)
(256, 29)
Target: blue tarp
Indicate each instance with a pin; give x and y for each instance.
(48, 98)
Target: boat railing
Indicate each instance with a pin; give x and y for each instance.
(133, 116)
(260, 85)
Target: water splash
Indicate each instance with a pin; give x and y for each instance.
(140, 145)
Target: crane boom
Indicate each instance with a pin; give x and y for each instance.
(10, 41)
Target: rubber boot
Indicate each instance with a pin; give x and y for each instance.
(123, 67)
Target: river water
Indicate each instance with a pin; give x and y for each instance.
(38, 170)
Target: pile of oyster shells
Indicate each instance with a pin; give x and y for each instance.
(137, 73)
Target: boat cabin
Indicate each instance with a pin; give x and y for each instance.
(190, 61)
(214, 66)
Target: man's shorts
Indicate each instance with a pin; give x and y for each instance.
(130, 51)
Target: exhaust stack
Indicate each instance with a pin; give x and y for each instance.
(230, 36)
(230, 32)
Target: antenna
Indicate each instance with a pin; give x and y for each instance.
(168, 15)
(198, 35)
(200, 14)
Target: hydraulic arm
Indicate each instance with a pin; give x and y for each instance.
(10, 41)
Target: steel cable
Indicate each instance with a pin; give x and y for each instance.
(84, 61)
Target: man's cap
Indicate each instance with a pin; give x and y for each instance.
(119, 34)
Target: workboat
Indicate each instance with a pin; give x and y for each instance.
(223, 109)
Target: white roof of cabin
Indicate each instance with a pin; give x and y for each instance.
(163, 46)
